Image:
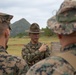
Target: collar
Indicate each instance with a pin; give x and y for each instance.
(2, 49)
(70, 47)
(34, 46)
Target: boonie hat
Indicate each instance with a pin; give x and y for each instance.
(64, 22)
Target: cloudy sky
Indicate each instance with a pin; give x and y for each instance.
(38, 11)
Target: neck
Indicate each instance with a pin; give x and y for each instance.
(67, 41)
(34, 42)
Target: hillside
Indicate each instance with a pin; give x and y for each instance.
(19, 27)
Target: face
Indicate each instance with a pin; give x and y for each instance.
(34, 37)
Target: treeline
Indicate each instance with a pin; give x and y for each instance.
(46, 32)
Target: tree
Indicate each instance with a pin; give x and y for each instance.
(47, 31)
(20, 35)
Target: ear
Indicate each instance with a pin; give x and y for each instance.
(6, 33)
(59, 36)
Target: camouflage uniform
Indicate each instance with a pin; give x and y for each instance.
(32, 55)
(31, 52)
(54, 65)
(10, 65)
(64, 22)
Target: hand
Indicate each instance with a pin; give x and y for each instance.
(43, 48)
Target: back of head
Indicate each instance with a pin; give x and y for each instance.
(4, 21)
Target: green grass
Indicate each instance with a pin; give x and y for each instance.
(15, 44)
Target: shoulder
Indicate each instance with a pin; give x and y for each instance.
(11, 63)
(51, 65)
(20, 63)
(25, 46)
(14, 59)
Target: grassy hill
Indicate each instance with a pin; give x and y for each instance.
(19, 27)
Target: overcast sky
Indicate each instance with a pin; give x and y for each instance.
(38, 11)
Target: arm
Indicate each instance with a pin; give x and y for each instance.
(21, 67)
(51, 66)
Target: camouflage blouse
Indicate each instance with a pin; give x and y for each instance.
(11, 65)
(31, 53)
(54, 65)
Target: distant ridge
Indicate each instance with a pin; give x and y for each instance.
(19, 27)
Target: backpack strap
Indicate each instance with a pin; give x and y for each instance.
(69, 57)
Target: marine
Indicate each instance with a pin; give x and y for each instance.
(64, 25)
(35, 51)
(9, 64)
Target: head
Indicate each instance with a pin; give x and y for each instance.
(4, 28)
(64, 22)
(34, 32)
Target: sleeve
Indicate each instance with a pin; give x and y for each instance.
(47, 52)
(21, 67)
(51, 66)
(29, 57)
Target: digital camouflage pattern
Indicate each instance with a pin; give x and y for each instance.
(54, 65)
(32, 55)
(66, 5)
(61, 28)
(5, 18)
(60, 24)
(11, 65)
(64, 22)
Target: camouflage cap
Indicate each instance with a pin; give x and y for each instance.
(34, 28)
(64, 22)
(67, 5)
(61, 28)
(5, 18)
